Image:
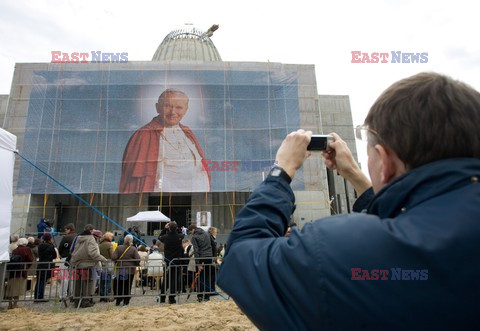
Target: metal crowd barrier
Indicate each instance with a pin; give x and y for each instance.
(86, 282)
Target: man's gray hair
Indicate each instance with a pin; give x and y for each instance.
(22, 242)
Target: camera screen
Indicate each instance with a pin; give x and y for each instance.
(318, 143)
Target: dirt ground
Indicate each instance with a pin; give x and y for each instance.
(213, 315)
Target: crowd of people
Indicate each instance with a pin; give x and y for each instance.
(90, 263)
(30, 256)
(198, 257)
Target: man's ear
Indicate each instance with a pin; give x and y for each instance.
(391, 165)
(157, 106)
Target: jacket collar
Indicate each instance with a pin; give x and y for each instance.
(423, 183)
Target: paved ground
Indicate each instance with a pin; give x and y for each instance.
(138, 300)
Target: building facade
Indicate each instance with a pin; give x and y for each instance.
(74, 120)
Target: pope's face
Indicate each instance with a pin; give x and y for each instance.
(174, 108)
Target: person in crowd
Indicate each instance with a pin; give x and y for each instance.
(31, 242)
(105, 281)
(17, 277)
(127, 259)
(97, 271)
(42, 227)
(64, 251)
(213, 231)
(36, 243)
(135, 232)
(67, 240)
(120, 240)
(85, 258)
(52, 229)
(33, 269)
(13, 243)
(164, 230)
(98, 235)
(155, 268)
(154, 245)
(46, 255)
(416, 239)
(173, 252)
(165, 155)
(142, 271)
(202, 248)
(191, 265)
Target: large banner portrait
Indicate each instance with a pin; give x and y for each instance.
(137, 128)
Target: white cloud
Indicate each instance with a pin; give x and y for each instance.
(302, 31)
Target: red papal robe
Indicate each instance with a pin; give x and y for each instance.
(140, 158)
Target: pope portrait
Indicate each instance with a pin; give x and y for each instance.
(164, 155)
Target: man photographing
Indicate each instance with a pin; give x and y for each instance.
(409, 260)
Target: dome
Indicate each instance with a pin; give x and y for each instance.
(188, 44)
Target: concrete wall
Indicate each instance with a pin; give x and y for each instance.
(3, 108)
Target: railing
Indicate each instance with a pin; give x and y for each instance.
(175, 281)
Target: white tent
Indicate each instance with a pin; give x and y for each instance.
(149, 216)
(8, 144)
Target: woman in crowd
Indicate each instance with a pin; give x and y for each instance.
(13, 243)
(46, 255)
(126, 259)
(105, 281)
(17, 278)
(142, 273)
(155, 268)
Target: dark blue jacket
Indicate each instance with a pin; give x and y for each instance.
(421, 234)
(41, 227)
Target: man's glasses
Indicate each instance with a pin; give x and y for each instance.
(365, 134)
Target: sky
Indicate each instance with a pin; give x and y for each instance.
(323, 33)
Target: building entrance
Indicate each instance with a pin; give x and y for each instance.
(176, 207)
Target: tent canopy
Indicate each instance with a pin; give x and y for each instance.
(149, 216)
(8, 144)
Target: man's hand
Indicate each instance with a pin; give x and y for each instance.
(293, 151)
(339, 157)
